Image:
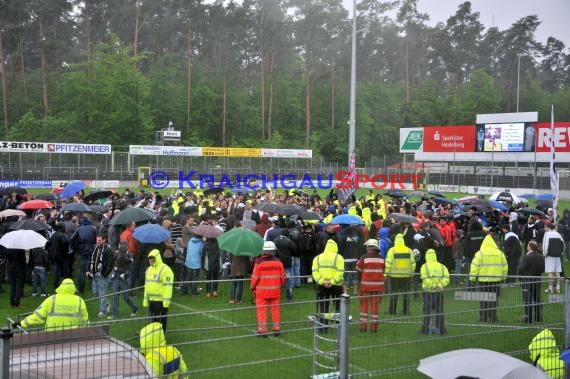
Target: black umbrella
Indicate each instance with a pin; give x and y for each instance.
(99, 208)
(75, 207)
(97, 195)
(213, 191)
(290, 209)
(532, 211)
(403, 218)
(310, 215)
(441, 200)
(132, 214)
(266, 206)
(436, 193)
(16, 190)
(504, 196)
(45, 196)
(395, 193)
(544, 203)
(29, 224)
(417, 194)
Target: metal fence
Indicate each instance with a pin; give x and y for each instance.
(218, 339)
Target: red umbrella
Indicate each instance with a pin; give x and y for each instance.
(57, 190)
(36, 204)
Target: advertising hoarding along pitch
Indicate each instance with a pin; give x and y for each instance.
(50, 147)
(561, 137)
(411, 139)
(449, 139)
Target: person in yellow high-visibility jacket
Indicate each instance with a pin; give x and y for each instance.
(400, 266)
(64, 310)
(158, 285)
(164, 360)
(489, 268)
(545, 354)
(328, 273)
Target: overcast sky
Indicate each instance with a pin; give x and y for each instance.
(554, 14)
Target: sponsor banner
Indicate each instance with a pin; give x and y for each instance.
(22, 147)
(286, 153)
(165, 150)
(231, 152)
(101, 183)
(4, 183)
(77, 148)
(561, 137)
(411, 140)
(447, 188)
(449, 139)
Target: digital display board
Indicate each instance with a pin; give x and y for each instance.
(507, 137)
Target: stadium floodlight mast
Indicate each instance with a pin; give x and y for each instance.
(352, 121)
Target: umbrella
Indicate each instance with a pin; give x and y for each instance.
(505, 196)
(436, 193)
(544, 203)
(45, 196)
(266, 206)
(208, 231)
(441, 200)
(213, 191)
(478, 363)
(290, 209)
(545, 196)
(565, 356)
(151, 233)
(23, 239)
(36, 204)
(532, 211)
(11, 212)
(310, 215)
(466, 199)
(96, 195)
(99, 208)
(16, 190)
(403, 218)
(241, 241)
(75, 207)
(29, 224)
(57, 190)
(417, 194)
(498, 205)
(132, 214)
(347, 219)
(395, 193)
(71, 189)
(528, 196)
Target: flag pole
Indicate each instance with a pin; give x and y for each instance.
(553, 176)
(352, 121)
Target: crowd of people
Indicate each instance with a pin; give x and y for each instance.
(408, 242)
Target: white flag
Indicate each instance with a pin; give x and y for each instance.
(553, 176)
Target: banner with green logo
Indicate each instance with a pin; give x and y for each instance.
(411, 140)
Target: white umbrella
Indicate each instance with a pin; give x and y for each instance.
(505, 196)
(23, 239)
(478, 363)
(12, 212)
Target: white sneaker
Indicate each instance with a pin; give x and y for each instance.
(101, 314)
(548, 290)
(134, 314)
(34, 294)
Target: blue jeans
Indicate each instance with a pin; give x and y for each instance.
(296, 271)
(122, 285)
(99, 286)
(236, 290)
(39, 275)
(457, 270)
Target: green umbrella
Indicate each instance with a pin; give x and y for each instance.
(132, 214)
(241, 241)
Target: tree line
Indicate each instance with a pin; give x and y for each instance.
(269, 73)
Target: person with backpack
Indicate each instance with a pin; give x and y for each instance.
(552, 249)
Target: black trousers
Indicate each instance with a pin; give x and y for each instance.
(433, 305)
(531, 299)
(158, 313)
(399, 285)
(324, 295)
(488, 309)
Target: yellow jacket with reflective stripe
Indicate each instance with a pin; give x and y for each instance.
(329, 265)
(158, 281)
(544, 351)
(64, 310)
(434, 275)
(489, 263)
(165, 361)
(400, 262)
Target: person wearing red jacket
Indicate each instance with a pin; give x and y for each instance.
(266, 281)
(371, 276)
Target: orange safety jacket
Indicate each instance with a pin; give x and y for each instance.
(268, 277)
(371, 267)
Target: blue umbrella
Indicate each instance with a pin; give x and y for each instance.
(565, 356)
(71, 189)
(347, 219)
(544, 196)
(151, 233)
(498, 205)
(528, 196)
